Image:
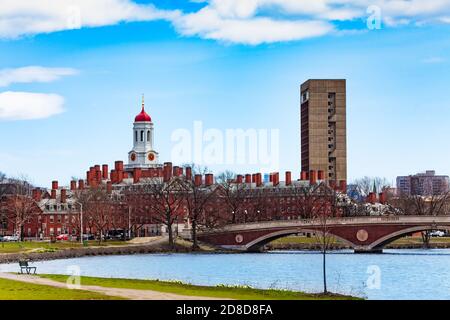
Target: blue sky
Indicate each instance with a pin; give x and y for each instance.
(88, 86)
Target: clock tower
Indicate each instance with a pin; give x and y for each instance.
(142, 155)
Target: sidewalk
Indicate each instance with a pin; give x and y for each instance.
(131, 294)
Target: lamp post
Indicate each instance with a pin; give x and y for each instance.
(81, 222)
(129, 222)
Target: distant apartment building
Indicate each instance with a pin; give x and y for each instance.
(423, 184)
(323, 127)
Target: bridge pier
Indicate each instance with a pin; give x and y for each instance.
(368, 250)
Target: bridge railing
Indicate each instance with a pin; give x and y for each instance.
(296, 223)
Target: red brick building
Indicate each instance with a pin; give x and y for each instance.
(59, 206)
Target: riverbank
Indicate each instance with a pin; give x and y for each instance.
(305, 243)
(38, 251)
(189, 290)
(55, 287)
(20, 290)
(35, 251)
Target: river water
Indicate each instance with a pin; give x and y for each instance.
(394, 274)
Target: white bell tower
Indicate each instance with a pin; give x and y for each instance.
(142, 155)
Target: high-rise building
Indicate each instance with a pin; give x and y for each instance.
(423, 184)
(323, 127)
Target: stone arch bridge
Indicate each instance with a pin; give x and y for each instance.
(363, 234)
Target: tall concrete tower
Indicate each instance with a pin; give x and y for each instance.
(142, 155)
(324, 128)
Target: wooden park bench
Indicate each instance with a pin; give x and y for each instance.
(24, 266)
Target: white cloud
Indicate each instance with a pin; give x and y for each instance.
(237, 21)
(25, 17)
(253, 22)
(207, 23)
(27, 106)
(33, 74)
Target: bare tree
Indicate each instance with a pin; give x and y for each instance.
(139, 207)
(97, 210)
(18, 206)
(325, 207)
(197, 197)
(306, 200)
(165, 199)
(433, 205)
(234, 195)
(5, 186)
(366, 184)
(257, 205)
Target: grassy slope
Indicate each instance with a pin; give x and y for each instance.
(15, 247)
(16, 290)
(193, 290)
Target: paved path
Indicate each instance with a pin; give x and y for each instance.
(132, 294)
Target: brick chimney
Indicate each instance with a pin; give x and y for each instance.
(276, 179)
(118, 165)
(167, 171)
(288, 179)
(258, 178)
(63, 195)
(320, 175)
(312, 177)
(198, 180)
(188, 173)
(372, 198)
(36, 194)
(303, 175)
(137, 173)
(209, 179)
(382, 197)
(105, 171)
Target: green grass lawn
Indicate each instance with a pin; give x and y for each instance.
(16, 290)
(43, 246)
(241, 293)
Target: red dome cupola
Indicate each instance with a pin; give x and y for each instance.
(143, 116)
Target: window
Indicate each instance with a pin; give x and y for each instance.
(305, 96)
(142, 135)
(135, 135)
(52, 219)
(148, 135)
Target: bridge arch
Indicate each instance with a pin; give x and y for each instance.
(258, 243)
(383, 241)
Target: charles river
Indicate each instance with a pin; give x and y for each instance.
(394, 274)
